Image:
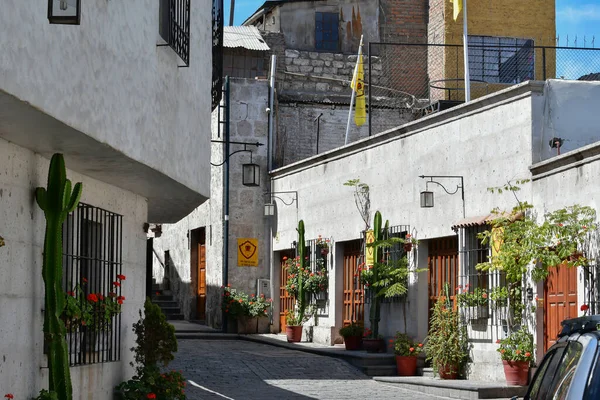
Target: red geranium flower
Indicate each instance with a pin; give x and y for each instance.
(9, 396)
(150, 396)
(85, 280)
(70, 294)
(284, 258)
(121, 277)
(92, 297)
(120, 299)
(100, 296)
(116, 284)
(527, 354)
(584, 307)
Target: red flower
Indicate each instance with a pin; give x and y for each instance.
(117, 284)
(498, 341)
(528, 354)
(120, 299)
(284, 258)
(252, 295)
(121, 277)
(71, 293)
(85, 280)
(502, 351)
(484, 295)
(150, 396)
(9, 396)
(241, 301)
(420, 345)
(92, 297)
(517, 352)
(584, 307)
(227, 293)
(227, 310)
(100, 296)
(411, 349)
(262, 296)
(158, 293)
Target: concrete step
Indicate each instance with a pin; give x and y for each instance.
(172, 317)
(427, 372)
(456, 389)
(166, 303)
(162, 297)
(380, 370)
(171, 310)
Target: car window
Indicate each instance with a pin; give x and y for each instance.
(593, 388)
(543, 377)
(565, 371)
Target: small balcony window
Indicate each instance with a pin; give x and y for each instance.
(174, 26)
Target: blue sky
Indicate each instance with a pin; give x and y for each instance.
(573, 18)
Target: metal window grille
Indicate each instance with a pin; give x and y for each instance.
(592, 287)
(393, 253)
(92, 259)
(175, 26)
(217, 52)
(501, 59)
(326, 31)
(486, 322)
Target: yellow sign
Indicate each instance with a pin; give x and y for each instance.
(497, 240)
(370, 238)
(247, 252)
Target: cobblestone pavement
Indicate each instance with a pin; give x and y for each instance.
(241, 370)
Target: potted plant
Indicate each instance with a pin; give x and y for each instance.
(352, 335)
(372, 343)
(516, 351)
(317, 283)
(406, 351)
(258, 307)
(296, 317)
(409, 241)
(323, 245)
(446, 346)
(474, 302)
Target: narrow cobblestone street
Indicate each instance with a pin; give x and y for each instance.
(240, 370)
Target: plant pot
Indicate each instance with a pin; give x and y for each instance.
(232, 324)
(406, 365)
(263, 325)
(448, 371)
(373, 345)
(352, 342)
(247, 325)
(322, 295)
(293, 333)
(407, 247)
(516, 372)
(324, 251)
(477, 312)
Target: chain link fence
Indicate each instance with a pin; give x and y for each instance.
(413, 80)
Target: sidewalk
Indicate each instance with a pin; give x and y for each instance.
(369, 363)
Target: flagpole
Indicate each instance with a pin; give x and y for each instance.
(354, 78)
(466, 54)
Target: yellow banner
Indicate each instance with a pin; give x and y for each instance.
(457, 6)
(370, 238)
(496, 240)
(360, 111)
(247, 252)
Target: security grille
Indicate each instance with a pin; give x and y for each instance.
(92, 278)
(175, 26)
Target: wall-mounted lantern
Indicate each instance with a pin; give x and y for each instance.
(269, 209)
(250, 174)
(64, 12)
(426, 199)
(270, 206)
(427, 195)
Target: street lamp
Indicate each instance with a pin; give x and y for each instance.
(270, 206)
(426, 196)
(250, 174)
(64, 12)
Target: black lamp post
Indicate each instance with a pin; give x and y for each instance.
(64, 12)
(426, 196)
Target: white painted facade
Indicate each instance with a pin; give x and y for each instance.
(488, 141)
(134, 129)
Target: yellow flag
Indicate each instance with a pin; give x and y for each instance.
(457, 5)
(358, 84)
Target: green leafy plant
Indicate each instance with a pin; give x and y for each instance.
(447, 345)
(292, 318)
(56, 201)
(477, 297)
(296, 273)
(317, 281)
(45, 395)
(518, 346)
(404, 345)
(155, 345)
(237, 303)
(499, 296)
(351, 330)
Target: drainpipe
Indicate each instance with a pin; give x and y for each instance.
(318, 119)
(269, 168)
(225, 276)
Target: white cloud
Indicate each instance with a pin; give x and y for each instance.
(585, 12)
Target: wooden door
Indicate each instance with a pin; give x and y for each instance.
(286, 301)
(442, 262)
(201, 290)
(560, 301)
(354, 304)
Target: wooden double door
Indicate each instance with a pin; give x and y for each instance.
(354, 303)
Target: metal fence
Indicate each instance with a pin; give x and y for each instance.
(417, 79)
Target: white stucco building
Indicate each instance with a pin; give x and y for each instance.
(134, 127)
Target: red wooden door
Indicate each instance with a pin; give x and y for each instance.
(442, 262)
(560, 301)
(286, 301)
(354, 304)
(201, 290)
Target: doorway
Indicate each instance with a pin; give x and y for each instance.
(560, 301)
(442, 262)
(198, 270)
(286, 300)
(354, 302)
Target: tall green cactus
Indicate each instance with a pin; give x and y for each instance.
(302, 254)
(380, 234)
(57, 201)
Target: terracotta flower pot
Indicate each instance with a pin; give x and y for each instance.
(294, 333)
(448, 371)
(406, 365)
(373, 345)
(352, 342)
(516, 372)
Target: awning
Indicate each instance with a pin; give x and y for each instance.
(247, 37)
(484, 220)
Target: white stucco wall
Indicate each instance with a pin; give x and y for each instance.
(22, 225)
(107, 79)
(248, 123)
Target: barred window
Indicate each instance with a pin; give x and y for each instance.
(174, 26)
(92, 279)
(326, 31)
(501, 59)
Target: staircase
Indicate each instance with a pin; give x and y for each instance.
(167, 303)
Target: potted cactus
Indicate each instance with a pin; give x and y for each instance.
(295, 318)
